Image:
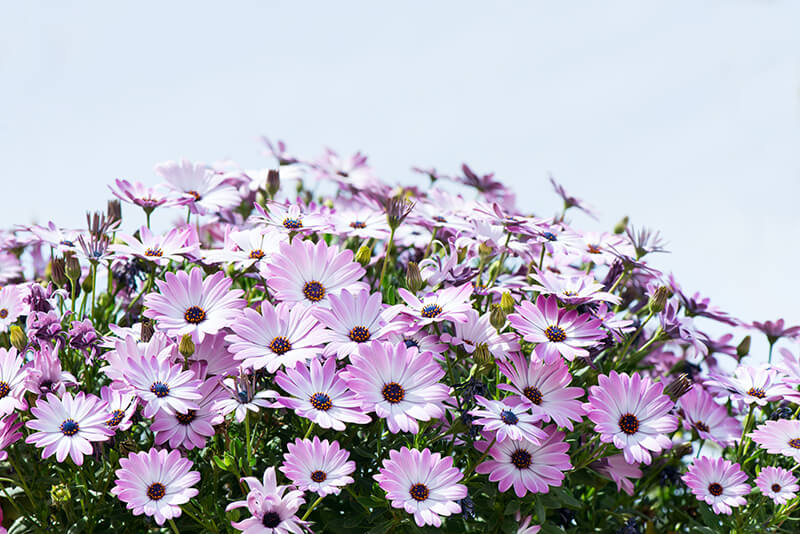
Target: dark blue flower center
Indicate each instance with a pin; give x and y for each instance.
(550, 236)
(185, 418)
(195, 315)
(357, 225)
(509, 417)
(757, 393)
(359, 334)
(314, 291)
(555, 333)
(280, 345)
(159, 389)
(292, 224)
(243, 397)
(157, 252)
(794, 443)
(66, 242)
(629, 424)
(429, 311)
(715, 489)
(410, 343)
(271, 520)
(318, 476)
(69, 427)
(521, 459)
(156, 491)
(393, 392)
(533, 394)
(321, 401)
(116, 418)
(419, 492)
(256, 254)
(4, 389)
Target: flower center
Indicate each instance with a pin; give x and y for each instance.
(3, 313)
(568, 293)
(509, 417)
(156, 491)
(116, 418)
(593, 249)
(256, 254)
(357, 225)
(549, 236)
(701, 426)
(794, 443)
(359, 334)
(185, 418)
(429, 311)
(280, 345)
(411, 343)
(555, 333)
(69, 427)
(5, 389)
(159, 389)
(533, 394)
(318, 476)
(66, 242)
(757, 393)
(715, 489)
(314, 291)
(775, 488)
(321, 402)
(419, 492)
(629, 424)
(271, 520)
(521, 459)
(157, 252)
(439, 218)
(393, 392)
(195, 194)
(195, 315)
(292, 224)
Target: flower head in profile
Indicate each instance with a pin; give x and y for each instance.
(556, 331)
(45, 373)
(399, 384)
(754, 385)
(318, 466)
(68, 426)
(477, 331)
(422, 483)
(11, 306)
(9, 433)
(155, 483)
(294, 218)
(319, 394)
(160, 249)
(188, 304)
(308, 273)
(449, 304)
(121, 406)
(574, 289)
(507, 421)
(633, 413)
(245, 248)
(198, 186)
(779, 437)
(709, 418)
(778, 484)
(273, 509)
(163, 386)
(13, 378)
(524, 465)
(619, 470)
(147, 198)
(243, 397)
(352, 319)
(776, 330)
(193, 428)
(718, 482)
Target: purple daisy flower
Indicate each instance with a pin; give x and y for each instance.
(619, 470)
(163, 386)
(292, 218)
(779, 437)
(775, 331)
(121, 407)
(543, 389)
(9, 433)
(320, 395)
(160, 249)
(147, 198)
(273, 509)
(11, 306)
(304, 272)
(243, 397)
(213, 352)
(45, 373)
(201, 188)
(245, 248)
(190, 305)
(526, 466)
(778, 484)
(318, 466)
(572, 290)
(711, 420)
(556, 331)
(68, 426)
(193, 428)
(155, 483)
(449, 304)
(506, 421)
(399, 384)
(633, 413)
(422, 483)
(353, 318)
(478, 330)
(758, 385)
(718, 482)
(280, 335)
(12, 381)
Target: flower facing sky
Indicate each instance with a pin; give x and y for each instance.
(12, 381)
(709, 418)
(779, 437)
(507, 421)
(273, 509)
(318, 466)
(351, 320)
(160, 249)
(163, 386)
(778, 484)
(718, 482)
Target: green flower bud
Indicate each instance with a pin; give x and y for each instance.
(485, 250)
(659, 299)
(273, 182)
(60, 494)
(73, 267)
(497, 317)
(507, 302)
(678, 387)
(58, 272)
(621, 225)
(18, 338)
(482, 355)
(743, 349)
(147, 330)
(186, 346)
(413, 277)
(364, 255)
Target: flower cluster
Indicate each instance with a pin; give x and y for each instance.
(310, 349)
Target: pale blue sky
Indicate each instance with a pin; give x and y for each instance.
(682, 114)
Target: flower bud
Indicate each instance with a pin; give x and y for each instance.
(461, 254)
(497, 317)
(678, 387)
(621, 225)
(73, 267)
(507, 302)
(485, 250)
(86, 285)
(147, 331)
(658, 300)
(743, 349)
(681, 450)
(397, 209)
(273, 182)
(58, 273)
(482, 355)
(114, 210)
(413, 277)
(60, 494)
(261, 198)
(186, 346)
(364, 255)
(18, 338)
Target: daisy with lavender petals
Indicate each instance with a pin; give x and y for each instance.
(292, 218)
(245, 248)
(423, 484)
(317, 393)
(200, 187)
(11, 306)
(188, 304)
(505, 421)
(242, 397)
(619, 470)
(779, 437)
(450, 304)
(526, 466)
(9, 433)
(718, 482)
(556, 331)
(147, 198)
(478, 330)
(778, 484)
(155, 483)
(273, 508)
(163, 386)
(353, 318)
(633, 413)
(13, 378)
(193, 428)
(68, 426)
(709, 418)
(572, 290)
(755, 385)
(121, 407)
(318, 466)
(399, 384)
(160, 249)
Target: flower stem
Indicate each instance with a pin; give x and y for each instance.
(386, 258)
(247, 438)
(469, 473)
(311, 508)
(308, 432)
(174, 526)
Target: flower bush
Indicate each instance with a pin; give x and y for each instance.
(309, 349)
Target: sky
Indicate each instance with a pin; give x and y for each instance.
(683, 115)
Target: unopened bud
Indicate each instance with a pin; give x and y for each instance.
(507, 302)
(273, 182)
(743, 349)
(114, 210)
(60, 494)
(86, 285)
(621, 225)
(497, 317)
(58, 272)
(397, 209)
(485, 250)
(364, 255)
(681, 450)
(186, 346)
(413, 277)
(147, 331)
(462, 254)
(659, 299)
(482, 355)
(678, 387)
(73, 267)
(18, 338)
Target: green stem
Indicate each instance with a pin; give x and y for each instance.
(174, 526)
(468, 474)
(500, 263)
(748, 422)
(311, 508)
(308, 432)
(249, 446)
(94, 283)
(386, 258)
(430, 243)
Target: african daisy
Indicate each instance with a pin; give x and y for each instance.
(353, 318)
(318, 466)
(778, 484)
(779, 437)
(718, 482)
